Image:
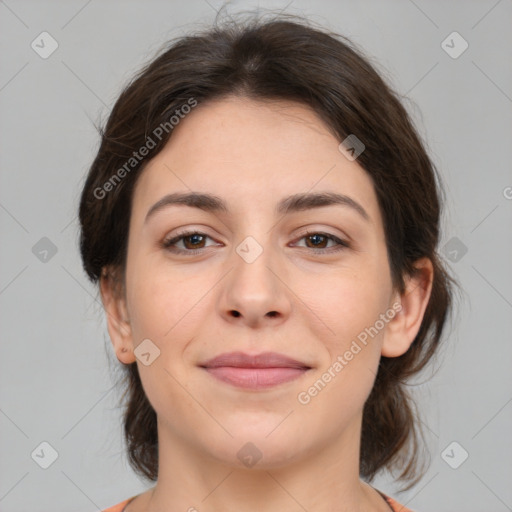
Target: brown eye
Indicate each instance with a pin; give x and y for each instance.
(195, 241)
(192, 241)
(318, 241)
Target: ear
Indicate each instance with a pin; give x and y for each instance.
(118, 321)
(405, 325)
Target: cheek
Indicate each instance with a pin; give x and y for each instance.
(349, 305)
(150, 312)
(157, 302)
(343, 382)
(358, 305)
(161, 312)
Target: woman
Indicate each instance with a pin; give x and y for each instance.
(263, 219)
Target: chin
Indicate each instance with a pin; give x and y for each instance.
(254, 448)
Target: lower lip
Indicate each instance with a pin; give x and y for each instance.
(255, 378)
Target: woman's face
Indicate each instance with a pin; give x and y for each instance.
(252, 280)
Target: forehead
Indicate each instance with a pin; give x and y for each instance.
(253, 152)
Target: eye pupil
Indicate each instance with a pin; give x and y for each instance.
(194, 239)
(316, 237)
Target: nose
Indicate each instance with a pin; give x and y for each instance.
(255, 292)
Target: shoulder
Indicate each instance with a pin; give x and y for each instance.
(120, 506)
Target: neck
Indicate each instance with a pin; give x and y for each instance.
(325, 478)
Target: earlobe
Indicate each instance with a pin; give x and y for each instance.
(118, 322)
(404, 327)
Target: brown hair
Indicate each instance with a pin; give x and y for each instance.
(282, 58)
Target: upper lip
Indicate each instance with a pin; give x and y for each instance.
(263, 360)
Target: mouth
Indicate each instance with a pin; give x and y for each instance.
(259, 371)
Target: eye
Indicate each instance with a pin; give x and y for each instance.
(319, 239)
(193, 242)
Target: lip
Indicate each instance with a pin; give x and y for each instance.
(258, 371)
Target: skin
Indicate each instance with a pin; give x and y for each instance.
(252, 154)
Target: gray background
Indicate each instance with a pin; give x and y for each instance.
(55, 367)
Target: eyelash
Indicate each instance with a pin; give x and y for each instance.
(167, 244)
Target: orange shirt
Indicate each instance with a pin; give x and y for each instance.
(120, 506)
(394, 505)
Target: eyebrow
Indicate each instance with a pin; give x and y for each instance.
(293, 203)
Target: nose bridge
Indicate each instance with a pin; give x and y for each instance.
(254, 289)
(253, 260)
